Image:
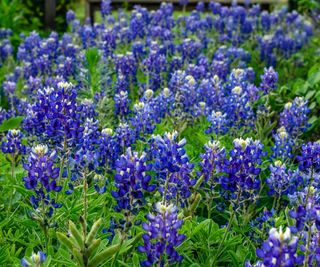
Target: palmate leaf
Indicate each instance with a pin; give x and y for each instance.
(3, 255)
(10, 124)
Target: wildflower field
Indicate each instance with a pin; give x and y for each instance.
(163, 138)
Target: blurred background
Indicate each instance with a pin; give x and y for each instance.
(44, 16)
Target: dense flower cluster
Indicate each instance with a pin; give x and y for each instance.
(162, 236)
(56, 116)
(212, 162)
(172, 167)
(283, 144)
(13, 144)
(131, 181)
(282, 180)
(294, 117)
(6, 48)
(42, 177)
(279, 250)
(242, 169)
(107, 111)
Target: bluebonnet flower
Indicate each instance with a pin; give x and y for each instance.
(187, 94)
(100, 183)
(105, 8)
(238, 107)
(219, 123)
(56, 116)
(88, 109)
(125, 136)
(36, 260)
(122, 84)
(279, 250)
(162, 104)
(282, 181)
(200, 109)
(264, 221)
(70, 16)
(131, 180)
(190, 49)
(183, 2)
(310, 158)
(268, 80)
(6, 48)
(211, 162)
(306, 215)
(85, 154)
(126, 64)
(294, 117)
(42, 177)
(144, 120)
(162, 236)
(172, 167)
(9, 88)
(307, 224)
(200, 7)
(6, 114)
(108, 149)
(121, 103)
(283, 145)
(242, 169)
(13, 144)
(138, 24)
(153, 66)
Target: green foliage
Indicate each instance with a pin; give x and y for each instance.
(10, 124)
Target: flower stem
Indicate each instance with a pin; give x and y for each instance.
(305, 264)
(12, 181)
(223, 238)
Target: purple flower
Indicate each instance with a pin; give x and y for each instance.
(121, 103)
(242, 169)
(162, 236)
(172, 167)
(268, 80)
(219, 123)
(13, 144)
(131, 180)
(105, 8)
(283, 145)
(36, 259)
(42, 176)
(211, 162)
(309, 160)
(70, 16)
(55, 116)
(294, 117)
(282, 180)
(279, 250)
(200, 7)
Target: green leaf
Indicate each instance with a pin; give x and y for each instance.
(103, 256)
(310, 94)
(93, 247)
(76, 234)
(93, 232)
(78, 256)
(318, 97)
(312, 105)
(135, 260)
(312, 120)
(10, 124)
(47, 262)
(65, 240)
(314, 75)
